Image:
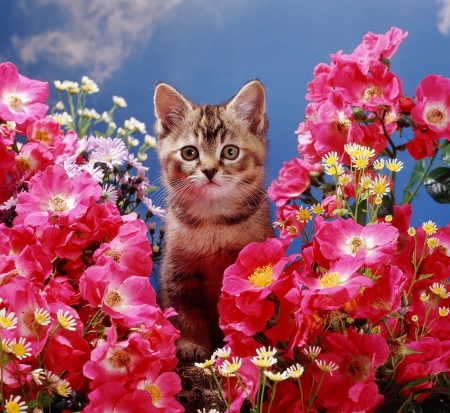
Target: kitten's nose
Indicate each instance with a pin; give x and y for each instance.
(210, 173)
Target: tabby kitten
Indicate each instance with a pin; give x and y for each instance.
(212, 160)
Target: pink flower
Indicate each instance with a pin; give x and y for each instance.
(162, 389)
(21, 98)
(342, 282)
(120, 361)
(46, 132)
(421, 146)
(377, 46)
(384, 297)
(113, 397)
(293, 180)
(428, 358)
(53, 196)
(334, 126)
(24, 299)
(130, 248)
(433, 105)
(257, 268)
(357, 355)
(339, 238)
(382, 88)
(132, 302)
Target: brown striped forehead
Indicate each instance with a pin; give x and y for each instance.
(211, 124)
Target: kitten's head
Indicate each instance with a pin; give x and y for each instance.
(209, 152)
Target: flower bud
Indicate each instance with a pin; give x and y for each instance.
(406, 104)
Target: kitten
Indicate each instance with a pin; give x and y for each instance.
(212, 159)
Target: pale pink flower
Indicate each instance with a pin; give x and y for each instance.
(21, 99)
(53, 196)
(433, 105)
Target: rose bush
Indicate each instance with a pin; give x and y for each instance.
(358, 320)
(79, 323)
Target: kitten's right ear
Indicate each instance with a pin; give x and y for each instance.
(170, 107)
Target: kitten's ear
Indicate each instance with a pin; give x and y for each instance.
(170, 107)
(250, 106)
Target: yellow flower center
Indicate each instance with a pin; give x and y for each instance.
(18, 349)
(332, 279)
(58, 203)
(113, 254)
(14, 101)
(40, 318)
(107, 158)
(155, 392)
(435, 116)
(262, 276)
(355, 370)
(356, 243)
(342, 125)
(429, 227)
(360, 162)
(5, 322)
(113, 298)
(43, 136)
(379, 188)
(304, 215)
(65, 323)
(12, 407)
(120, 359)
(371, 92)
(23, 164)
(62, 390)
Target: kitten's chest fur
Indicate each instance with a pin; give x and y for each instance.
(212, 160)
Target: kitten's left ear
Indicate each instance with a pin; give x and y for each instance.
(250, 106)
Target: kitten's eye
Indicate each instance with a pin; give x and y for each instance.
(189, 153)
(230, 152)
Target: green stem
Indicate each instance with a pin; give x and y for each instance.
(249, 398)
(310, 402)
(2, 398)
(273, 396)
(261, 400)
(301, 394)
(411, 196)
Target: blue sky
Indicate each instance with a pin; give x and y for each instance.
(208, 49)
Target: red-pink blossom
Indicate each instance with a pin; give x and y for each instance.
(381, 89)
(336, 239)
(113, 397)
(421, 146)
(357, 356)
(130, 248)
(23, 298)
(162, 389)
(293, 180)
(377, 46)
(428, 358)
(21, 98)
(47, 132)
(433, 105)
(341, 282)
(120, 361)
(53, 196)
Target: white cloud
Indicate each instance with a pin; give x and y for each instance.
(444, 17)
(94, 34)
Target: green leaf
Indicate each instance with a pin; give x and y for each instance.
(394, 315)
(416, 382)
(438, 184)
(445, 154)
(416, 176)
(423, 276)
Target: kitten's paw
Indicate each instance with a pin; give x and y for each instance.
(191, 352)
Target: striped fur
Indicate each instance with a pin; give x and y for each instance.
(215, 205)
